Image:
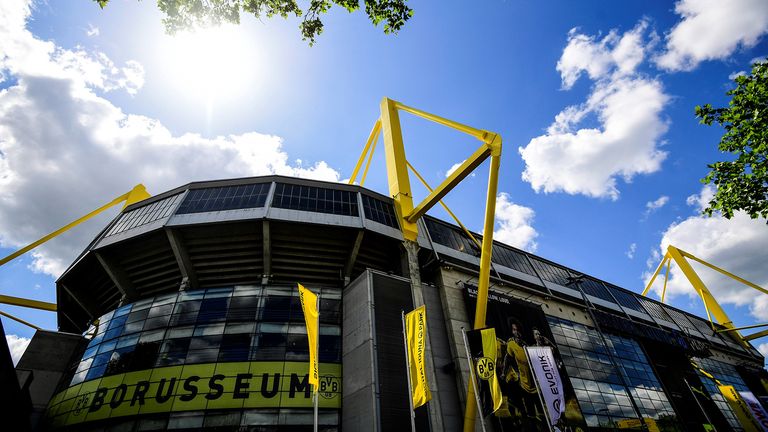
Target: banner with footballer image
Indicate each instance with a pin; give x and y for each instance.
(523, 336)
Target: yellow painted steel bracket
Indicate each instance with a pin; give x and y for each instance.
(138, 193)
(711, 306)
(408, 214)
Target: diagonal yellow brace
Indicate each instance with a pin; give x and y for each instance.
(34, 304)
(756, 335)
(372, 137)
(699, 286)
(136, 194)
(449, 183)
(445, 207)
(656, 273)
(26, 323)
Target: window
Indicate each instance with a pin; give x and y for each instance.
(208, 326)
(379, 211)
(225, 198)
(315, 199)
(144, 215)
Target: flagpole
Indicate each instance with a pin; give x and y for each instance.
(317, 347)
(474, 380)
(538, 390)
(703, 411)
(408, 372)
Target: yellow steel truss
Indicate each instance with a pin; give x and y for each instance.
(711, 306)
(408, 213)
(138, 193)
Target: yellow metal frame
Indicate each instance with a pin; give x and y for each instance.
(138, 193)
(711, 306)
(408, 213)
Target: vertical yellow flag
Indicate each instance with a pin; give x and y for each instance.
(312, 320)
(488, 362)
(416, 332)
(739, 408)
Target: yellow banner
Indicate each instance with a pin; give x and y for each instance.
(739, 408)
(416, 331)
(237, 385)
(311, 318)
(637, 424)
(486, 366)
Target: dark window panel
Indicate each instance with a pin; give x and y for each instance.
(213, 310)
(626, 299)
(225, 198)
(379, 211)
(315, 199)
(144, 215)
(551, 272)
(235, 347)
(595, 288)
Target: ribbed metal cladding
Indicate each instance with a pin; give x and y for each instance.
(390, 298)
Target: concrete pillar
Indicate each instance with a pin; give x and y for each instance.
(417, 293)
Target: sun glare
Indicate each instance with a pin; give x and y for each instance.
(211, 64)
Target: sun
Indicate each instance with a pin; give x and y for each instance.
(211, 64)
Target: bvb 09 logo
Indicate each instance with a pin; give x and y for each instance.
(485, 368)
(329, 386)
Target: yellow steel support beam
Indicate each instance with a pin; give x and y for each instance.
(666, 279)
(756, 335)
(372, 137)
(397, 170)
(445, 207)
(136, 194)
(450, 182)
(26, 323)
(716, 310)
(727, 330)
(368, 162)
(400, 191)
(28, 303)
(711, 306)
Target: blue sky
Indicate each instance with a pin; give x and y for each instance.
(594, 100)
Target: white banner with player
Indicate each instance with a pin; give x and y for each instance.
(550, 385)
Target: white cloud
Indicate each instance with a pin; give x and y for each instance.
(733, 75)
(65, 150)
(456, 166)
(652, 206)
(612, 54)
(17, 345)
(630, 253)
(712, 29)
(578, 159)
(763, 348)
(92, 31)
(736, 245)
(514, 224)
(453, 168)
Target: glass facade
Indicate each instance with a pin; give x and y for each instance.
(217, 325)
(225, 198)
(727, 375)
(144, 215)
(608, 379)
(379, 211)
(315, 199)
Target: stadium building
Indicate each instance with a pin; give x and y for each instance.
(183, 314)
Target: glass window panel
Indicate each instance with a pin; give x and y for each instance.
(224, 198)
(379, 211)
(235, 347)
(208, 330)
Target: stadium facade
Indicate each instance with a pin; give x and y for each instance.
(183, 314)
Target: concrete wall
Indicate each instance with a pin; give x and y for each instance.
(48, 357)
(359, 388)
